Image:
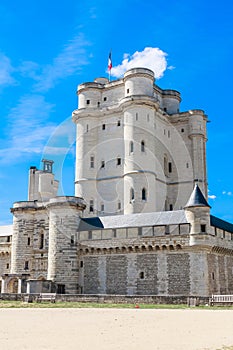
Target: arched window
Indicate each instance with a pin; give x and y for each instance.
(144, 194)
(142, 146)
(131, 194)
(131, 147)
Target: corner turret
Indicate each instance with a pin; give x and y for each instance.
(197, 212)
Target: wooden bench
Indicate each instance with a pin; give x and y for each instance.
(221, 299)
(46, 297)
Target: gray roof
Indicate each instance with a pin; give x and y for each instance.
(134, 220)
(197, 199)
(6, 230)
(219, 223)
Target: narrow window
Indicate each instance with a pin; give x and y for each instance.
(136, 116)
(148, 117)
(118, 161)
(215, 231)
(187, 165)
(8, 239)
(29, 240)
(91, 206)
(131, 147)
(170, 207)
(212, 275)
(144, 194)
(119, 206)
(118, 123)
(98, 104)
(103, 126)
(127, 91)
(102, 164)
(89, 234)
(7, 266)
(165, 109)
(92, 162)
(105, 98)
(165, 165)
(182, 130)
(168, 133)
(26, 265)
(223, 234)
(88, 102)
(102, 208)
(141, 275)
(164, 131)
(114, 233)
(41, 241)
(72, 239)
(81, 263)
(143, 146)
(140, 231)
(169, 167)
(203, 228)
(87, 128)
(131, 194)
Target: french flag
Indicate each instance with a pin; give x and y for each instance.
(110, 61)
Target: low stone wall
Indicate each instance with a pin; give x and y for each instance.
(118, 299)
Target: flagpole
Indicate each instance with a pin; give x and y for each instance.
(109, 65)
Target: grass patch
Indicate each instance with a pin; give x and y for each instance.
(60, 304)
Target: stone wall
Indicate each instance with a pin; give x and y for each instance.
(137, 273)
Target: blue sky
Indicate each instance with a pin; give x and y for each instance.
(47, 48)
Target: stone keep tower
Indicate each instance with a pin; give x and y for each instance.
(136, 152)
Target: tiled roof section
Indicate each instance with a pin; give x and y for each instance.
(223, 225)
(197, 199)
(6, 230)
(134, 220)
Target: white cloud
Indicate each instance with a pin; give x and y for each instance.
(6, 71)
(212, 196)
(227, 193)
(151, 57)
(71, 60)
(28, 128)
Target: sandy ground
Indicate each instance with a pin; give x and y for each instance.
(89, 329)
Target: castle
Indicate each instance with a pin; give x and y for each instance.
(139, 223)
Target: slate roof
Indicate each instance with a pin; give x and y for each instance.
(6, 230)
(197, 199)
(219, 223)
(134, 220)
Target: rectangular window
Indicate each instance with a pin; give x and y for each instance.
(88, 102)
(114, 233)
(29, 240)
(102, 164)
(72, 239)
(102, 208)
(26, 265)
(41, 241)
(169, 167)
(89, 234)
(140, 231)
(7, 266)
(91, 206)
(105, 98)
(203, 228)
(127, 91)
(118, 123)
(118, 161)
(103, 126)
(92, 162)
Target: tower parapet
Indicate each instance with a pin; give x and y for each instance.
(64, 218)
